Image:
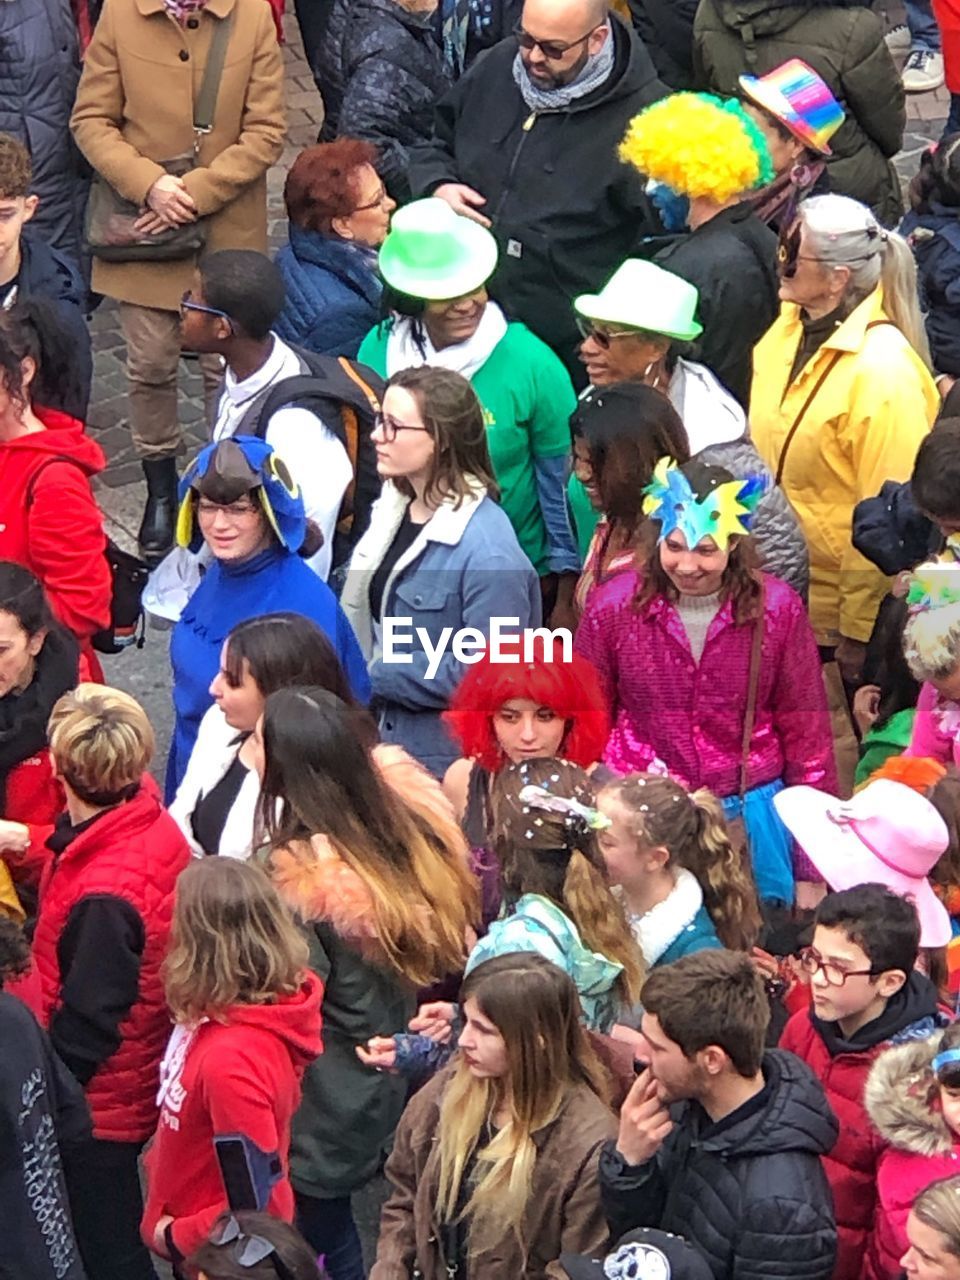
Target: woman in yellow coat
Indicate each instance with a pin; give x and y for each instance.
(842, 397)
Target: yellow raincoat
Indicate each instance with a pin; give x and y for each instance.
(863, 425)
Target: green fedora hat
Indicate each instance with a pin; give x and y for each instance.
(644, 296)
(433, 253)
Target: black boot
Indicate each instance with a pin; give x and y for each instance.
(159, 518)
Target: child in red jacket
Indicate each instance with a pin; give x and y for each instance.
(248, 1024)
(866, 996)
(913, 1099)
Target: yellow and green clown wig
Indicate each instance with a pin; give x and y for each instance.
(699, 146)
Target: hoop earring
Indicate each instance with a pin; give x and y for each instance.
(646, 373)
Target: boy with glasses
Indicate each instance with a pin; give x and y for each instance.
(866, 995)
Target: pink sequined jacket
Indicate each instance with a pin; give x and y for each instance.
(691, 715)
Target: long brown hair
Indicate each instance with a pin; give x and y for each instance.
(540, 852)
(408, 850)
(453, 415)
(534, 1006)
(232, 941)
(691, 827)
(741, 579)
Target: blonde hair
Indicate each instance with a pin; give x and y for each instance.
(391, 825)
(692, 829)
(542, 852)
(938, 1206)
(931, 634)
(232, 941)
(101, 741)
(534, 1006)
(844, 233)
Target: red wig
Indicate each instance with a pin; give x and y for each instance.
(571, 690)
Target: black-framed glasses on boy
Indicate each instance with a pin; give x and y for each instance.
(388, 427)
(187, 304)
(603, 337)
(812, 962)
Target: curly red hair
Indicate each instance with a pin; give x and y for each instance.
(322, 182)
(571, 689)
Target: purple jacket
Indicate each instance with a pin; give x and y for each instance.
(691, 716)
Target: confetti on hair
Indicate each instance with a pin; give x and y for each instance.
(699, 145)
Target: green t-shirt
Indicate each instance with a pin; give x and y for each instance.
(527, 398)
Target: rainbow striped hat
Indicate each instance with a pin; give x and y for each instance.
(796, 96)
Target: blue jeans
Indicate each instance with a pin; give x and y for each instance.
(924, 32)
(329, 1228)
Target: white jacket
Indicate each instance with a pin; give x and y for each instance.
(215, 750)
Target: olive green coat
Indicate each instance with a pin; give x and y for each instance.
(844, 44)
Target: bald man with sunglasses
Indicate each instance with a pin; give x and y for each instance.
(526, 144)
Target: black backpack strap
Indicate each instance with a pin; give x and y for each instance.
(301, 391)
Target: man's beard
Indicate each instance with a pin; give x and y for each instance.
(557, 79)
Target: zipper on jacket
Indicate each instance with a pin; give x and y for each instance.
(525, 129)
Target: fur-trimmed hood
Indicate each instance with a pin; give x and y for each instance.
(901, 1100)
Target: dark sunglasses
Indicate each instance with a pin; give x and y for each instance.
(249, 1250)
(552, 50)
(603, 337)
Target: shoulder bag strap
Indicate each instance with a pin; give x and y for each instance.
(206, 103)
(753, 688)
(874, 324)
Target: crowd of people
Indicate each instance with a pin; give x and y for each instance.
(559, 839)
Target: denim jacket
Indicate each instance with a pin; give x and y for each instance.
(464, 568)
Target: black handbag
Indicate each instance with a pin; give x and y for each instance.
(109, 227)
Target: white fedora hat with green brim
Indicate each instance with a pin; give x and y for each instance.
(433, 253)
(642, 295)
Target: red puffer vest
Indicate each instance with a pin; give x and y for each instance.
(134, 852)
(851, 1167)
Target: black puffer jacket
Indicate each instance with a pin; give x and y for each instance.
(39, 73)
(565, 210)
(732, 260)
(749, 1193)
(843, 41)
(391, 75)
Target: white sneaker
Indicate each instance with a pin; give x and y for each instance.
(923, 71)
(898, 38)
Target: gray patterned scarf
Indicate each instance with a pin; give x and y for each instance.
(596, 71)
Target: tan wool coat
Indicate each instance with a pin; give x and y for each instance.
(134, 110)
(564, 1213)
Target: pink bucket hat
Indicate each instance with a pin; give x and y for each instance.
(887, 834)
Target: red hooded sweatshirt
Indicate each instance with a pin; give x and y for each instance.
(58, 533)
(238, 1077)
